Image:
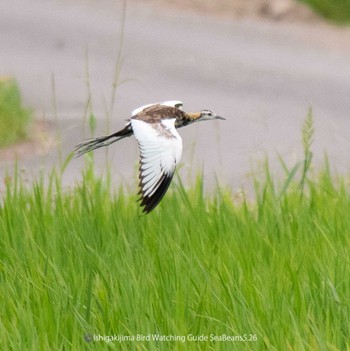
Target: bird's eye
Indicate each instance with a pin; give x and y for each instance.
(208, 113)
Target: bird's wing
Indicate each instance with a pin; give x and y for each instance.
(171, 103)
(160, 151)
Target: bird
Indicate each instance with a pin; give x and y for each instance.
(160, 145)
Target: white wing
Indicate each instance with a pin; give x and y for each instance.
(160, 150)
(172, 103)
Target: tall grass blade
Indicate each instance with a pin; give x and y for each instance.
(307, 139)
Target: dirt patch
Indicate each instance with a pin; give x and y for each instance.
(39, 142)
(277, 10)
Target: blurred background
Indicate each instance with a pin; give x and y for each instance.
(70, 69)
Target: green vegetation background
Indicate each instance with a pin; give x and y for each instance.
(335, 10)
(14, 118)
(84, 262)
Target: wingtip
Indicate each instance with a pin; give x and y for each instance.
(149, 203)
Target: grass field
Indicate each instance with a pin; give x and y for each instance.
(83, 269)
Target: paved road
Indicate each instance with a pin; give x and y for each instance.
(261, 76)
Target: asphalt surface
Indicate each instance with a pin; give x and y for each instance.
(261, 76)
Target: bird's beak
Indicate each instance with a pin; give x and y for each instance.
(208, 118)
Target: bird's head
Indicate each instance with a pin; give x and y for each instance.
(204, 115)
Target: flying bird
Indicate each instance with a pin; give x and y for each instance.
(160, 145)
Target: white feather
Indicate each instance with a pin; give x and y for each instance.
(159, 153)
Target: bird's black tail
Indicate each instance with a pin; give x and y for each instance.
(95, 143)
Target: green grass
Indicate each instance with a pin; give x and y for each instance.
(14, 118)
(334, 10)
(84, 262)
